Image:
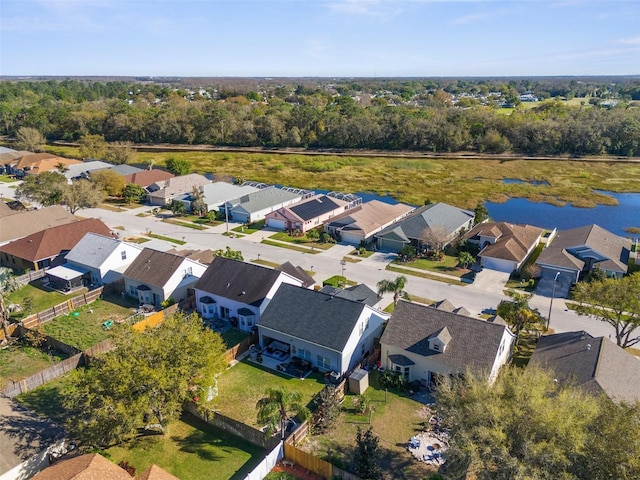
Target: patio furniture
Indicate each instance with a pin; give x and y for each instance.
(107, 325)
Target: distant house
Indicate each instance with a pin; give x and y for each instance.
(163, 192)
(155, 276)
(332, 333)
(361, 223)
(238, 291)
(48, 247)
(306, 214)
(144, 178)
(358, 293)
(23, 223)
(216, 194)
(446, 306)
(83, 169)
(125, 169)
(595, 364)
(504, 246)
(104, 259)
(254, 207)
(34, 163)
(297, 272)
(438, 222)
(427, 344)
(574, 253)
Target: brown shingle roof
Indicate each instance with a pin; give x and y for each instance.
(154, 267)
(147, 177)
(52, 241)
(42, 162)
(91, 466)
(513, 241)
(370, 216)
(154, 472)
(22, 224)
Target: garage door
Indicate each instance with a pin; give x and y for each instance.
(275, 223)
(498, 264)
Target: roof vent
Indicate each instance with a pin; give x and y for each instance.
(588, 346)
(228, 285)
(243, 292)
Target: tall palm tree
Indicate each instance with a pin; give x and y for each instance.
(277, 407)
(518, 314)
(8, 284)
(396, 286)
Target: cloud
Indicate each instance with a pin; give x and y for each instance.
(367, 8)
(630, 40)
(467, 19)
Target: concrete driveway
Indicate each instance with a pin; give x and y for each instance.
(488, 280)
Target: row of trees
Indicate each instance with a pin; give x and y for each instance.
(321, 119)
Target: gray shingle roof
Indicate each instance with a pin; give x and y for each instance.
(93, 249)
(561, 251)
(265, 198)
(358, 293)
(219, 192)
(312, 316)
(595, 364)
(440, 215)
(369, 216)
(153, 267)
(474, 343)
(297, 272)
(240, 281)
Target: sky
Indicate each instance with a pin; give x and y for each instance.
(319, 38)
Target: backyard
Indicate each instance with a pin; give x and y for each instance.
(20, 361)
(41, 298)
(241, 386)
(394, 420)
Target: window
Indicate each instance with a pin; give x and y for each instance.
(324, 363)
(224, 312)
(123, 254)
(188, 271)
(304, 354)
(132, 291)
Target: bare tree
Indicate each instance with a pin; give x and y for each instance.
(29, 139)
(435, 237)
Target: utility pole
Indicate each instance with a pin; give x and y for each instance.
(553, 294)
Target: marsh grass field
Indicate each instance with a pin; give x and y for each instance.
(462, 182)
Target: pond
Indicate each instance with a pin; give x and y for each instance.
(613, 218)
(507, 181)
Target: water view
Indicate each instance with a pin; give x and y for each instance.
(614, 218)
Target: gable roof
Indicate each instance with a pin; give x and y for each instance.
(7, 155)
(91, 466)
(153, 267)
(437, 215)
(315, 206)
(370, 216)
(76, 170)
(265, 198)
(358, 293)
(124, 169)
(219, 192)
(202, 256)
(312, 316)
(42, 162)
(297, 272)
(513, 242)
(474, 343)
(25, 223)
(144, 178)
(240, 281)
(594, 363)
(93, 250)
(154, 472)
(52, 241)
(179, 185)
(616, 249)
(447, 306)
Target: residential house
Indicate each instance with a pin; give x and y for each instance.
(297, 272)
(504, 246)
(360, 224)
(145, 178)
(34, 163)
(102, 258)
(254, 207)
(162, 193)
(238, 291)
(203, 256)
(48, 247)
(20, 224)
(7, 155)
(155, 276)
(358, 293)
(306, 214)
(447, 306)
(92, 466)
(574, 253)
(83, 169)
(595, 364)
(430, 227)
(426, 344)
(125, 169)
(215, 195)
(332, 333)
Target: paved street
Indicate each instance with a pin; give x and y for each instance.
(486, 294)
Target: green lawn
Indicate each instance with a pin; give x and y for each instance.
(47, 400)
(404, 271)
(192, 450)
(394, 421)
(251, 228)
(448, 265)
(233, 336)
(194, 226)
(241, 386)
(20, 361)
(302, 240)
(166, 239)
(42, 299)
(85, 330)
(290, 247)
(524, 349)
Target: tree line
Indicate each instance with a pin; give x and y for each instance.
(415, 116)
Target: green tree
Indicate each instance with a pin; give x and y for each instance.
(82, 194)
(228, 253)
(367, 455)
(327, 410)
(178, 208)
(108, 181)
(120, 152)
(8, 284)
(614, 301)
(277, 407)
(396, 286)
(526, 425)
(313, 234)
(29, 139)
(93, 146)
(465, 259)
(178, 166)
(481, 213)
(198, 205)
(518, 314)
(46, 188)
(144, 382)
(133, 193)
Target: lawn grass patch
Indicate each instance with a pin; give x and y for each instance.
(48, 400)
(266, 263)
(290, 247)
(6, 179)
(192, 449)
(43, 299)
(523, 351)
(302, 240)
(137, 240)
(251, 228)
(241, 386)
(351, 260)
(362, 254)
(429, 276)
(195, 226)
(448, 265)
(20, 361)
(233, 336)
(166, 239)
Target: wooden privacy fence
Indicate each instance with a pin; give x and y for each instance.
(30, 276)
(70, 305)
(43, 376)
(315, 464)
(237, 350)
